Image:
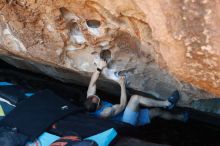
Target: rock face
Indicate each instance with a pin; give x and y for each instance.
(160, 45)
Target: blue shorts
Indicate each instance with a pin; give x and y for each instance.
(139, 118)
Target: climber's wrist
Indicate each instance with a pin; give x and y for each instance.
(99, 70)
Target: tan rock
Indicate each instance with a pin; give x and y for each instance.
(162, 44)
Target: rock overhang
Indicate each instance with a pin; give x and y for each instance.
(169, 45)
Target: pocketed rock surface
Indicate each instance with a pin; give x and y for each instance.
(161, 45)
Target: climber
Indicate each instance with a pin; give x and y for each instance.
(130, 113)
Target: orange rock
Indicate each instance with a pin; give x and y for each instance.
(162, 44)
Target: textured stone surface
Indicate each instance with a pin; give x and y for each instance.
(160, 44)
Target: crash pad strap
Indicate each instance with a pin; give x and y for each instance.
(34, 115)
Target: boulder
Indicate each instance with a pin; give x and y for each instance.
(160, 45)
